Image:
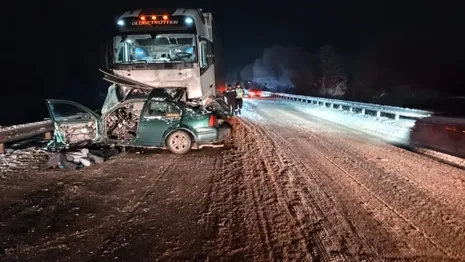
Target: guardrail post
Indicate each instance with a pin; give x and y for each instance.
(363, 111)
(378, 113)
(2, 148)
(48, 136)
(396, 117)
(351, 109)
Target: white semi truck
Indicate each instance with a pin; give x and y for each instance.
(166, 48)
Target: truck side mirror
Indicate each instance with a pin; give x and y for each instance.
(203, 54)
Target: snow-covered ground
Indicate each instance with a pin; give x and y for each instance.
(12, 161)
(383, 128)
(286, 186)
(387, 129)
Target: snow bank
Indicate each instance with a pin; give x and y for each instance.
(13, 161)
(387, 129)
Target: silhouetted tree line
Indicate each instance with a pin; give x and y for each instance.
(389, 74)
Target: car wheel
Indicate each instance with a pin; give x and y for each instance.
(179, 142)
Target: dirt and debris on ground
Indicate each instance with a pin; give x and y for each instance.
(16, 160)
(80, 157)
(22, 158)
(286, 187)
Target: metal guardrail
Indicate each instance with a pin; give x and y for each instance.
(24, 131)
(380, 110)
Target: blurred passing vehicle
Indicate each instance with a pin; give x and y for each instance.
(253, 93)
(444, 131)
(254, 90)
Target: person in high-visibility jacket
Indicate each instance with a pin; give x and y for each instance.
(230, 95)
(240, 94)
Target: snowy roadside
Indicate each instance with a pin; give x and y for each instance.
(31, 158)
(384, 128)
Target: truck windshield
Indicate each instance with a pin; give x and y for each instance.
(147, 48)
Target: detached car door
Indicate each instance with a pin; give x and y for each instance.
(74, 123)
(157, 117)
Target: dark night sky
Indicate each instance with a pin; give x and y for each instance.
(55, 46)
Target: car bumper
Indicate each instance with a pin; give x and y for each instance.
(208, 135)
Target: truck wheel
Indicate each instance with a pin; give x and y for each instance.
(179, 142)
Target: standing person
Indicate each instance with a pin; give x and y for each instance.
(230, 95)
(240, 94)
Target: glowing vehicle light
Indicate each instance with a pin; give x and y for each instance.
(140, 53)
(120, 23)
(189, 20)
(154, 17)
(142, 18)
(165, 17)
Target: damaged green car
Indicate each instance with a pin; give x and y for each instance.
(131, 116)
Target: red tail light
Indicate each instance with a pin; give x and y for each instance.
(213, 121)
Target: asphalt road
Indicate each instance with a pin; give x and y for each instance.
(286, 187)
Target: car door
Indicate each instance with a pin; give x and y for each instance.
(74, 123)
(157, 117)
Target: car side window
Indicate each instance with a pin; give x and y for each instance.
(68, 112)
(162, 109)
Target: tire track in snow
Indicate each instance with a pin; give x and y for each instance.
(268, 231)
(436, 177)
(131, 214)
(451, 221)
(432, 177)
(331, 150)
(273, 171)
(331, 221)
(222, 210)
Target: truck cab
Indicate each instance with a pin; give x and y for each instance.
(175, 48)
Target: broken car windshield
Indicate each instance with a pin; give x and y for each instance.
(161, 48)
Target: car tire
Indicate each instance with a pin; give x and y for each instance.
(179, 142)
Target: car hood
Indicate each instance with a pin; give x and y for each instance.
(173, 93)
(120, 80)
(124, 88)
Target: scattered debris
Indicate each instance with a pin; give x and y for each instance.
(24, 158)
(75, 159)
